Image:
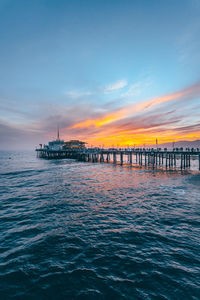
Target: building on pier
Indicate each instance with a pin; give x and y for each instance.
(55, 145)
(60, 145)
(75, 144)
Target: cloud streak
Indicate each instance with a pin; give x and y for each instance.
(143, 122)
(169, 117)
(116, 86)
(124, 112)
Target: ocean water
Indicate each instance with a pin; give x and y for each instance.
(76, 230)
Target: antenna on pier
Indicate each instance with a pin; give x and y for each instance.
(58, 134)
(156, 143)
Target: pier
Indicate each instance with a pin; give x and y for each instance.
(148, 157)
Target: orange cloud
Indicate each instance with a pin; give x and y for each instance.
(142, 123)
(137, 108)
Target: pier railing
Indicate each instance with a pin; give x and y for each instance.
(155, 157)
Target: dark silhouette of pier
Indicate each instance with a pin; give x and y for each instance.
(155, 157)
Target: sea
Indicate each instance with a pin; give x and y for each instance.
(82, 230)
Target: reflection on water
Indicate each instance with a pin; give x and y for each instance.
(73, 230)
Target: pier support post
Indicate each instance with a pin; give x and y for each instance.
(153, 159)
(101, 158)
(130, 158)
(121, 158)
(199, 161)
(108, 157)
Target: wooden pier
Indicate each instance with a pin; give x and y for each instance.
(154, 157)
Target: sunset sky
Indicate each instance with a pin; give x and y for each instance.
(113, 72)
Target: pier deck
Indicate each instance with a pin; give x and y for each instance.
(167, 158)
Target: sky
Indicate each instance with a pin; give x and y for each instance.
(108, 72)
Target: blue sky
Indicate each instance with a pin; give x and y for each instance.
(66, 62)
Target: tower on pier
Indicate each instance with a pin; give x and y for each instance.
(58, 134)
